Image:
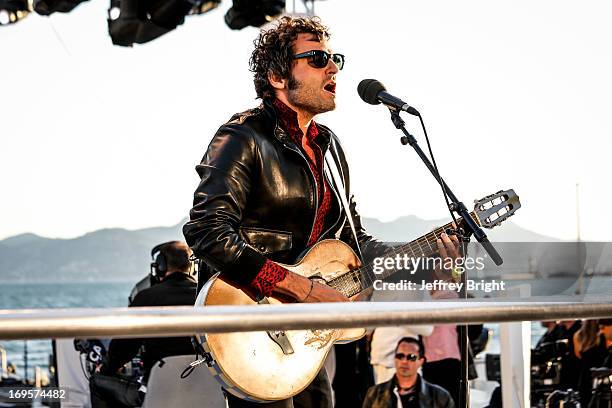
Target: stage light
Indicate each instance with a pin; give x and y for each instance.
(204, 6)
(11, 11)
(46, 7)
(139, 21)
(253, 13)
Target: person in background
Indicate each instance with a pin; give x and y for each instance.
(605, 327)
(586, 337)
(570, 372)
(553, 333)
(601, 358)
(177, 287)
(590, 350)
(443, 365)
(407, 389)
(382, 349)
(564, 330)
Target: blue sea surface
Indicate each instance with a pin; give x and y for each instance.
(54, 296)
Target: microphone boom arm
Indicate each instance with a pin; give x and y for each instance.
(455, 205)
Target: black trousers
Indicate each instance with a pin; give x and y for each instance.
(114, 392)
(446, 373)
(317, 395)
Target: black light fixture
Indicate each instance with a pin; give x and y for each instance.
(254, 13)
(47, 7)
(139, 21)
(11, 11)
(202, 7)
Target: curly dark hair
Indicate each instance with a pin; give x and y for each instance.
(273, 51)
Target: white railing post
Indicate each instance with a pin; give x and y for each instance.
(515, 357)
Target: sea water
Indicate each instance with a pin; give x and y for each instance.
(54, 296)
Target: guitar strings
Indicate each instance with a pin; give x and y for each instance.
(351, 282)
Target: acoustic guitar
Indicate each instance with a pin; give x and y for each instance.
(274, 365)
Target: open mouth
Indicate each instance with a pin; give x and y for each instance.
(331, 88)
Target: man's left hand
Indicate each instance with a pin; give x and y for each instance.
(449, 248)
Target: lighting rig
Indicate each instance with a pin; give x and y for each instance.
(11, 11)
(140, 21)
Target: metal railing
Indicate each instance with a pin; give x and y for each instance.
(184, 320)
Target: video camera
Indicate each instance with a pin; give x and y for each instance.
(563, 399)
(547, 362)
(602, 388)
(93, 351)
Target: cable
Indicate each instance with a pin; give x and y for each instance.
(464, 346)
(83, 368)
(433, 160)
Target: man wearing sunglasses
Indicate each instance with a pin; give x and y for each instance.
(264, 196)
(407, 389)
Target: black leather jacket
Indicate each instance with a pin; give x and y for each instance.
(430, 395)
(176, 289)
(256, 198)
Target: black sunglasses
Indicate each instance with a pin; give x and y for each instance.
(410, 357)
(320, 58)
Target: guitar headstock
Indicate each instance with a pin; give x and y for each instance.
(495, 208)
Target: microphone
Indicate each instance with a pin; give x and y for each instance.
(374, 92)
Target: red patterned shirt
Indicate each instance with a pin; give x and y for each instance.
(272, 273)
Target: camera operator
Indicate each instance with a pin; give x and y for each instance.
(554, 365)
(173, 268)
(570, 365)
(553, 333)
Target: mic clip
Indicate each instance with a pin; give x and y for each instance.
(399, 123)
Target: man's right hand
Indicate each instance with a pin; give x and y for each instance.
(304, 290)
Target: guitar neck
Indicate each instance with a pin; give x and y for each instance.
(355, 281)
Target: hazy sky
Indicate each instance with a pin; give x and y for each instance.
(515, 95)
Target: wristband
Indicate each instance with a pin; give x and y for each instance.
(309, 292)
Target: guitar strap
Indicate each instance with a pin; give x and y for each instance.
(332, 172)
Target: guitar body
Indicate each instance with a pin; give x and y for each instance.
(251, 365)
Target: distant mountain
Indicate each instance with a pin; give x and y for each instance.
(121, 255)
(411, 227)
(104, 255)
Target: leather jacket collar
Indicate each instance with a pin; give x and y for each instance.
(268, 110)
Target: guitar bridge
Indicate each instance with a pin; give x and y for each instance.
(279, 336)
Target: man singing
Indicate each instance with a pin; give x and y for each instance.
(264, 196)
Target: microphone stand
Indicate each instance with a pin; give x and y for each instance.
(471, 228)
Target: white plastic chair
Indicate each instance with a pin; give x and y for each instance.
(166, 388)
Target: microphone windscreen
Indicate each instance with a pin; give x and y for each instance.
(368, 90)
